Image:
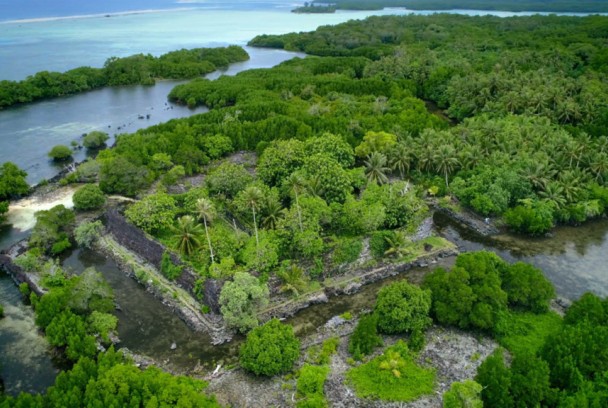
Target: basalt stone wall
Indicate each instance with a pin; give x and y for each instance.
(133, 238)
(18, 275)
(151, 251)
(213, 287)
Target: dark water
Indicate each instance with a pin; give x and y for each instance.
(28, 132)
(146, 326)
(575, 259)
(25, 356)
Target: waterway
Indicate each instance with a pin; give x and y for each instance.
(573, 258)
(28, 132)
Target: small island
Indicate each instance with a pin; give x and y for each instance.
(312, 8)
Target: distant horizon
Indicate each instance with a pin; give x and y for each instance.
(40, 10)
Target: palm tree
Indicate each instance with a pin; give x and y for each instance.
(294, 279)
(206, 212)
(314, 185)
(445, 160)
(470, 156)
(187, 234)
(273, 210)
(397, 244)
(539, 173)
(297, 184)
(599, 166)
(401, 159)
(570, 181)
(376, 168)
(553, 193)
(254, 197)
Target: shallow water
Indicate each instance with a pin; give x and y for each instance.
(146, 326)
(25, 357)
(573, 258)
(28, 132)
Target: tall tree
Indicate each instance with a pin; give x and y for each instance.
(206, 212)
(297, 184)
(445, 160)
(254, 197)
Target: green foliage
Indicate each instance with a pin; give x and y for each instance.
(172, 176)
(270, 349)
(168, 268)
(470, 296)
(228, 179)
(241, 300)
(527, 287)
(365, 338)
(1, 311)
(358, 217)
(131, 70)
(576, 354)
(534, 219)
(403, 308)
(593, 6)
(393, 376)
(90, 292)
(60, 153)
(525, 383)
(87, 233)
(588, 309)
(225, 269)
(121, 176)
(332, 145)
(466, 394)
(328, 173)
(264, 257)
(280, 159)
(69, 330)
(102, 324)
(187, 235)
(346, 250)
(309, 386)
(13, 181)
(529, 381)
(322, 355)
(62, 311)
(60, 246)
(29, 261)
(86, 172)
(524, 333)
(24, 289)
(495, 378)
(89, 197)
(379, 242)
(113, 380)
(154, 213)
(293, 277)
(95, 140)
(51, 232)
(375, 142)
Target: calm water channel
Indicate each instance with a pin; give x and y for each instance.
(28, 132)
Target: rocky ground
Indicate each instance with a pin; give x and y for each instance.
(454, 354)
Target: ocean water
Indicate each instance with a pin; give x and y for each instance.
(62, 44)
(60, 35)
